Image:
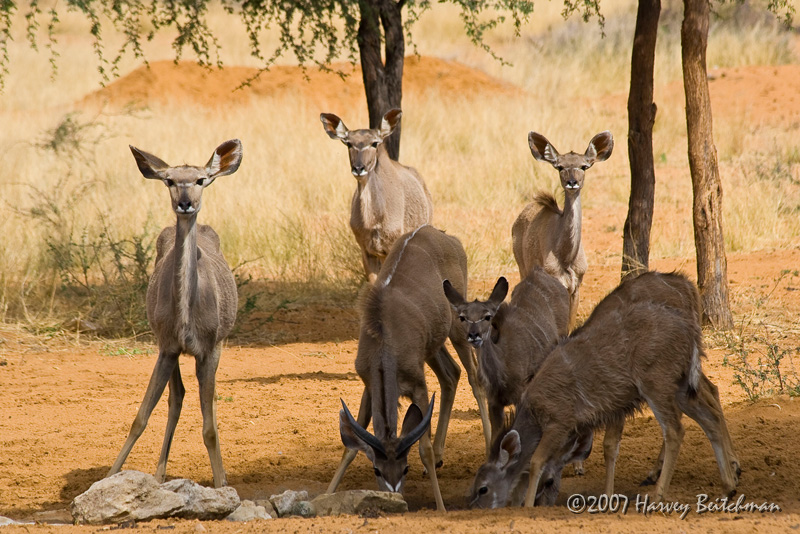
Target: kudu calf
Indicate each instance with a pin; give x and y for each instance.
(405, 321)
(642, 343)
(512, 339)
(191, 302)
(390, 199)
(548, 236)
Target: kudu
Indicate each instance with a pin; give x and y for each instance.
(512, 339)
(191, 302)
(548, 236)
(641, 344)
(390, 199)
(405, 321)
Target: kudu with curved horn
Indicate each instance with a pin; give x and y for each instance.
(405, 321)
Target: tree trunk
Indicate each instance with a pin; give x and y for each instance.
(383, 82)
(712, 266)
(641, 116)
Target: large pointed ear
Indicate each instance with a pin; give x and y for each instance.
(600, 147)
(498, 293)
(225, 160)
(541, 148)
(452, 294)
(389, 122)
(334, 126)
(149, 165)
(510, 448)
(414, 426)
(356, 437)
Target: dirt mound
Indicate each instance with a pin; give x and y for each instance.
(186, 83)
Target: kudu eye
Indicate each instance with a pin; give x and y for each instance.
(375, 144)
(201, 181)
(377, 472)
(487, 318)
(584, 167)
(559, 168)
(462, 318)
(348, 144)
(169, 182)
(483, 490)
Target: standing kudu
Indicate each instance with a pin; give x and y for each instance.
(390, 198)
(191, 302)
(512, 339)
(548, 236)
(405, 321)
(631, 350)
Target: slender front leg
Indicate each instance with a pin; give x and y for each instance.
(673, 436)
(364, 416)
(176, 394)
(551, 443)
(611, 452)
(470, 362)
(447, 373)
(165, 363)
(420, 398)
(206, 368)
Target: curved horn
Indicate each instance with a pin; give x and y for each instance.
(412, 437)
(360, 431)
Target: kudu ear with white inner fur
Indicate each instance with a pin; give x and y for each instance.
(600, 147)
(453, 296)
(510, 449)
(334, 126)
(149, 165)
(541, 148)
(389, 122)
(414, 426)
(225, 160)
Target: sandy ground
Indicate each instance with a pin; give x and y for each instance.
(67, 405)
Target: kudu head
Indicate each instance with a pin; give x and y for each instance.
(389, 456)
(503, 480)
(477, 318)
(362, 145)
(186, 182)
(571, 166)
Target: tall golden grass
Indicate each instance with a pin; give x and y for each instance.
(283, 215)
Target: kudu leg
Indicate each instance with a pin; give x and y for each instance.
(611, 451)
(470, 362)
(655, 472)
(705, 408)
(426, 454)
(158, 381)
(206, 369)
(364, 416)
(176, 394)
(448, 373)
(673, 436)
(550, 444)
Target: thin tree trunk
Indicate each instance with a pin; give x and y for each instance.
(641, 116)
(712, 267)
(383, 82)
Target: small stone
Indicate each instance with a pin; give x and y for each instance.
(283, 503)
(199, 527)
(53, 517)
(359, 502)
(304, 509)
(7, 521)
(249, 511)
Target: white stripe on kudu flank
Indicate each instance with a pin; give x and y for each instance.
(399, 256)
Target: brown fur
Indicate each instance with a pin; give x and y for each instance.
(405, 321)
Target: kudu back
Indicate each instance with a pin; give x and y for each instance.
(390, 199)
(512, 338)
(191, 301)
(548, 236)
(405, 321)
(641, 344)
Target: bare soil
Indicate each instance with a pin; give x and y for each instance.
(68, 402)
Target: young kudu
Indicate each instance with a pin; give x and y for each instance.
(405, 321)
(191, 302)
(642, 343)
(548, 236)
(512, 339)
(390, 199)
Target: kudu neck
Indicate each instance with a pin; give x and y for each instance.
(185, 285)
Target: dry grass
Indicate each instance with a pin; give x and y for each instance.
(284, 214)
